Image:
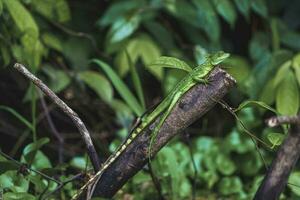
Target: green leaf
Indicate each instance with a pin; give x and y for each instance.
(268, 93)
(296, 66)
(98, 83)
(143, 48)
(18, 196)
(275, 138)
(162, 35)
(1, 7)
(14, 181)
(8, 166)
(121, 87)
(200, 54)
(226, 10)
(230, 185)
(123, 28)
(294, 180)
(171, 62)
(30, 151)
(260, 7)
(287, 96)
(246, 104)
(136, 81)
(225, 165)
(5, 55)
(59, 80)
(281, 73)
(17, 115)
(208, 19)
(62, 10)
(79, 162)
(52, 41)
(21, 16)
(291, 39)
(244, 7)
(238, 67)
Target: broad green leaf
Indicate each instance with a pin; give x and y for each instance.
(52, 41)
(162, 35)
(45, 8)
(281, 73)
(208, 19)
(41, 161)
(21, 16)
(117, 10)
(230, 185)
(287, 96)
(98, 83)
(171, 62)
(120, 87)
(14, 181)
(296, 66)
(260, 7)
(18, 196)
(294, 181)
(275, 139)
(225, 165)
(17, 115)
(249, 163)
(1, 7)
(5, 55)
(123, 28)
(78, 162)
(268, 93)
(141, 47)
(29, 152)
(246, 104)
(244, 7)
(226, 10)
(238, 67)
(200, 54)
(62, 10)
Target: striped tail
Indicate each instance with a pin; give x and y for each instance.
(111, 159)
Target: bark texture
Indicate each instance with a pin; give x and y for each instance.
(277, 176)
(195, 103)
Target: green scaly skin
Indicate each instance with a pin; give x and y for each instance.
(198, 75)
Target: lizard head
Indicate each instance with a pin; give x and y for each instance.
(218, 57)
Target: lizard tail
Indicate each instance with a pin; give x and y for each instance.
(89, 182)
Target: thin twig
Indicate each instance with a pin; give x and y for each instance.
(29, 168)
(67, 110)
(155, 182)
(253, 137)
(60, 186)
(53, 129)
(278, 120)
(187, 139)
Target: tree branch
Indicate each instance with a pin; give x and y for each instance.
(278, 120)
(67, 110)
(194, 104)
(277, 176)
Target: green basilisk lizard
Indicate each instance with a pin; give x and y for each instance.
(198, 75)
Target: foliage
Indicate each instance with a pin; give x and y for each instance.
(111, 60)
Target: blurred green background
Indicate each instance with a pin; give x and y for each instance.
(214, 159)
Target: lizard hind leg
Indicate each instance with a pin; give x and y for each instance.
(161, 121)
